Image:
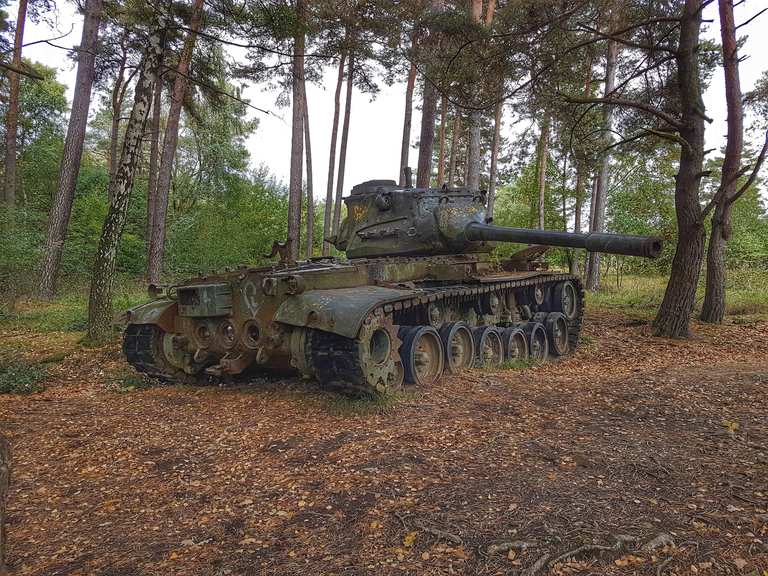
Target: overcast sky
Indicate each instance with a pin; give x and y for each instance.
(376, 126)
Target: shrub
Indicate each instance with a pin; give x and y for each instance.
(20, 378)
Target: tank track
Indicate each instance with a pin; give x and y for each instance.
(141, 347)
(335, 358)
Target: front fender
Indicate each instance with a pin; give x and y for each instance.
(340, 310)
(158, 312)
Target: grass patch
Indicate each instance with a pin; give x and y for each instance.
(22, 378)
(127, 381)
(69, 311)
(382, 403)
(640, 296)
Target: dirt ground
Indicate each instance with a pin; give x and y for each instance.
(635, 456)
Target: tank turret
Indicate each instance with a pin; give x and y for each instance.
(384, 219)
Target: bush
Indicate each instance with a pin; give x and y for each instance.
(19, 378)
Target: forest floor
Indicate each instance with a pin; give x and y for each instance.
(636, 455)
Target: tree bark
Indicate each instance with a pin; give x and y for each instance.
(100, 298)
(673, 316)
(343, 149)
(427, 135)
(310, 192)
(118, 94)
(473, 151)
(542, 162)
(154, 154)
(441, 138)
(297, 140)
(170, 143)
(494, 157)
(73, 150)
(12, 115)
(405, 146)
(603, 173)
(713, 309)
(332, 159)
(455, 137)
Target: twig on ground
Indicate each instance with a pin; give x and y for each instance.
(663, 565)
(537, 566)
(507, 546)
(441, 534)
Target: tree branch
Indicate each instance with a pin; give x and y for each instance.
(753, 175)
(23, 72)
(672, 121)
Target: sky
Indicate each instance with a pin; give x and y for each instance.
(376, 125)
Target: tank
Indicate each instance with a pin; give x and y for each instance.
(418, 295)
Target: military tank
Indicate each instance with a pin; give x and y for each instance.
(418, 295)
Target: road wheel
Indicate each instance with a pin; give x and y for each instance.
(489, 350)
(538, 345)
(458, 346)
(557, 333)
(515, 344)
(422, 354)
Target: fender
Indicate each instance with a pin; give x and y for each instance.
(340, 311)
(159, 312)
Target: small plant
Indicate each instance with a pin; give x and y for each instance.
(382, 403)
(122, 382)
(518, 364)
(20, 378)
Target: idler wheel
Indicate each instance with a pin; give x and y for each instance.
(458, 346)
(422, 354)
(557, 333)
(489, 351)
(565, 299)
(515, 344)
(538, 345)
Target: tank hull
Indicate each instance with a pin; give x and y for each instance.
(335, 320)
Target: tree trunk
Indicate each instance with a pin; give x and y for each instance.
(473, 151)
(332, 159)
(154, 154)
(5, 483)
(455, 137)
(542, 162)
(441, 153)
(579, 200)
(427, 135)
(603, 174)
(118, 95)
(297, 139)
(12, 115)
(100, 298)
(673, 316)
(73, 150)
(170, 142)
(407, 121)
(343, 150)
(310, 193)
(494, 157)
(713, 309)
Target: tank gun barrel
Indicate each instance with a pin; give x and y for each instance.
(644, 246)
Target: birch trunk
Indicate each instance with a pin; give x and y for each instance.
(603, 173)
(405, 146)
(170, 142)
(455, 137)
(343, 150)
(441, 153)
(73, 150)
(494, 158)
(154, 155)
(332, 160)
(310, 192)
(542, 161)
(100, 298)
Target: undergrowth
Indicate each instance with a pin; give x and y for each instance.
(22, 378)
